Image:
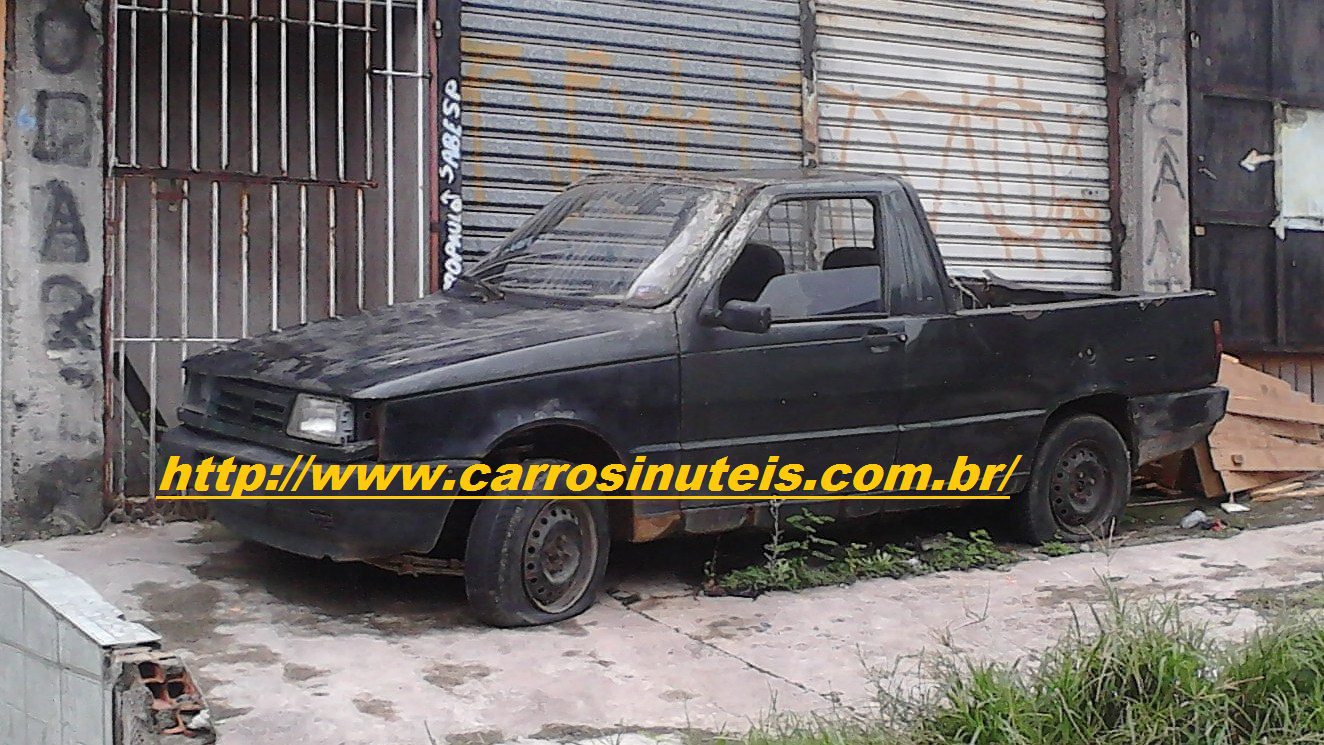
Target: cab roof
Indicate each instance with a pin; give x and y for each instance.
(755, 179)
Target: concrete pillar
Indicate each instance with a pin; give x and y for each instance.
(1156, 250)
(52, 269)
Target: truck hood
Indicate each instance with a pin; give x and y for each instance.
(439, 342)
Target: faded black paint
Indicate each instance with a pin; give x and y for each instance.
(65, 128)
(453, 375)
(63, 33)
(64, 238)
(54, 499)
(69, 310)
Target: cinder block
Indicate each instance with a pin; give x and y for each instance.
(11, 679)
(11, 723)
(41, 693)
(40, 634)
(11, 613)
(79, 652)
(84, 711)
(41, 732)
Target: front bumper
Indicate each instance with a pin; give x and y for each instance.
(343, 530)
(1172, 422)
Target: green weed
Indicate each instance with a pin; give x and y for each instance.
(954, 552)
(1137, 674)
(798, 556)
(1057, 548)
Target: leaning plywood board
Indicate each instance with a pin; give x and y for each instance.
(1271, 433)
(1257, 394)
(1277, 456)
(1277, 409)
(1211, 481)
(1235, 482)
(1258, 430)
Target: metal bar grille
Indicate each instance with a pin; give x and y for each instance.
(269, 160)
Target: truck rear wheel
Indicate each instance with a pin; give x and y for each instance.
(535, 561)
(1079, 485)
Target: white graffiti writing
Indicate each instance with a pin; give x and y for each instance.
(451, 200)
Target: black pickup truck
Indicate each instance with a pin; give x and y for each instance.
(801, 314)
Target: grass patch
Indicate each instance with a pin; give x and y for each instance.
(798, 556)
(1057, 548)
(1308, 597)
(972, 552)
(1135, 674)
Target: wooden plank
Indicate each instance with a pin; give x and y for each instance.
(1254, 429)
(1258, 394)
(1250, 481)
(1166, 471)
(1279, 409)
(1283, 455)
(1211, 481)
(1247, 380)
(1303, 491)
(1291, 484)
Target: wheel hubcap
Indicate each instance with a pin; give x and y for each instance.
(559, 555)
(1080, 488)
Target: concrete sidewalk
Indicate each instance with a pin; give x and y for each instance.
(314, 652)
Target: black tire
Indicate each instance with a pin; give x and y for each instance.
(530, 562)
(1079, 485)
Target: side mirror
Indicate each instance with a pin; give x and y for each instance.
(741, 315)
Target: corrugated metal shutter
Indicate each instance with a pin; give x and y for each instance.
(557, 89)
(996, 110)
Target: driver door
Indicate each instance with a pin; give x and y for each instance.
(822, 385)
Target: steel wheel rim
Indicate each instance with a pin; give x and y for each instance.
(559, 558)
(1080, 487)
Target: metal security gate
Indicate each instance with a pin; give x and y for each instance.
(270, 167)
(996, 110)
(557, 89)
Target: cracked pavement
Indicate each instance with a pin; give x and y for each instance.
(288, 647)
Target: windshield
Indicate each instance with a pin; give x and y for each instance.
(627, 241)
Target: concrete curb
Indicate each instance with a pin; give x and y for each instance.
(68, 658)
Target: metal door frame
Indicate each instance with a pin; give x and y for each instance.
(423, 69)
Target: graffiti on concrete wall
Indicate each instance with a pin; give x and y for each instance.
(70, 323)
(1164, 238)
(65, 128)
(64, 237)
(61, 37)
(64, 136)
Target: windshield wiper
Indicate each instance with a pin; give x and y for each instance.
(490, 290)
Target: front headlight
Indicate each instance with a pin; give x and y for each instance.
(321, 419)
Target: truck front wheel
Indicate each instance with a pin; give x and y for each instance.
(535, 561)
(1079, 485)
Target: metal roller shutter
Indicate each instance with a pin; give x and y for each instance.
(996, 110)
(557, 89)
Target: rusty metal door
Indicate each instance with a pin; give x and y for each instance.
(269, 167)
(1256, 79)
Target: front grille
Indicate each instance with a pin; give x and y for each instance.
(250, 405)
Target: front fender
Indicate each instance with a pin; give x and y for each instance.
(628, 404)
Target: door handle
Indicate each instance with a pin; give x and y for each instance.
(879, 340)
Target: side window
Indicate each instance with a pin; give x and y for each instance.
(810, 258)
